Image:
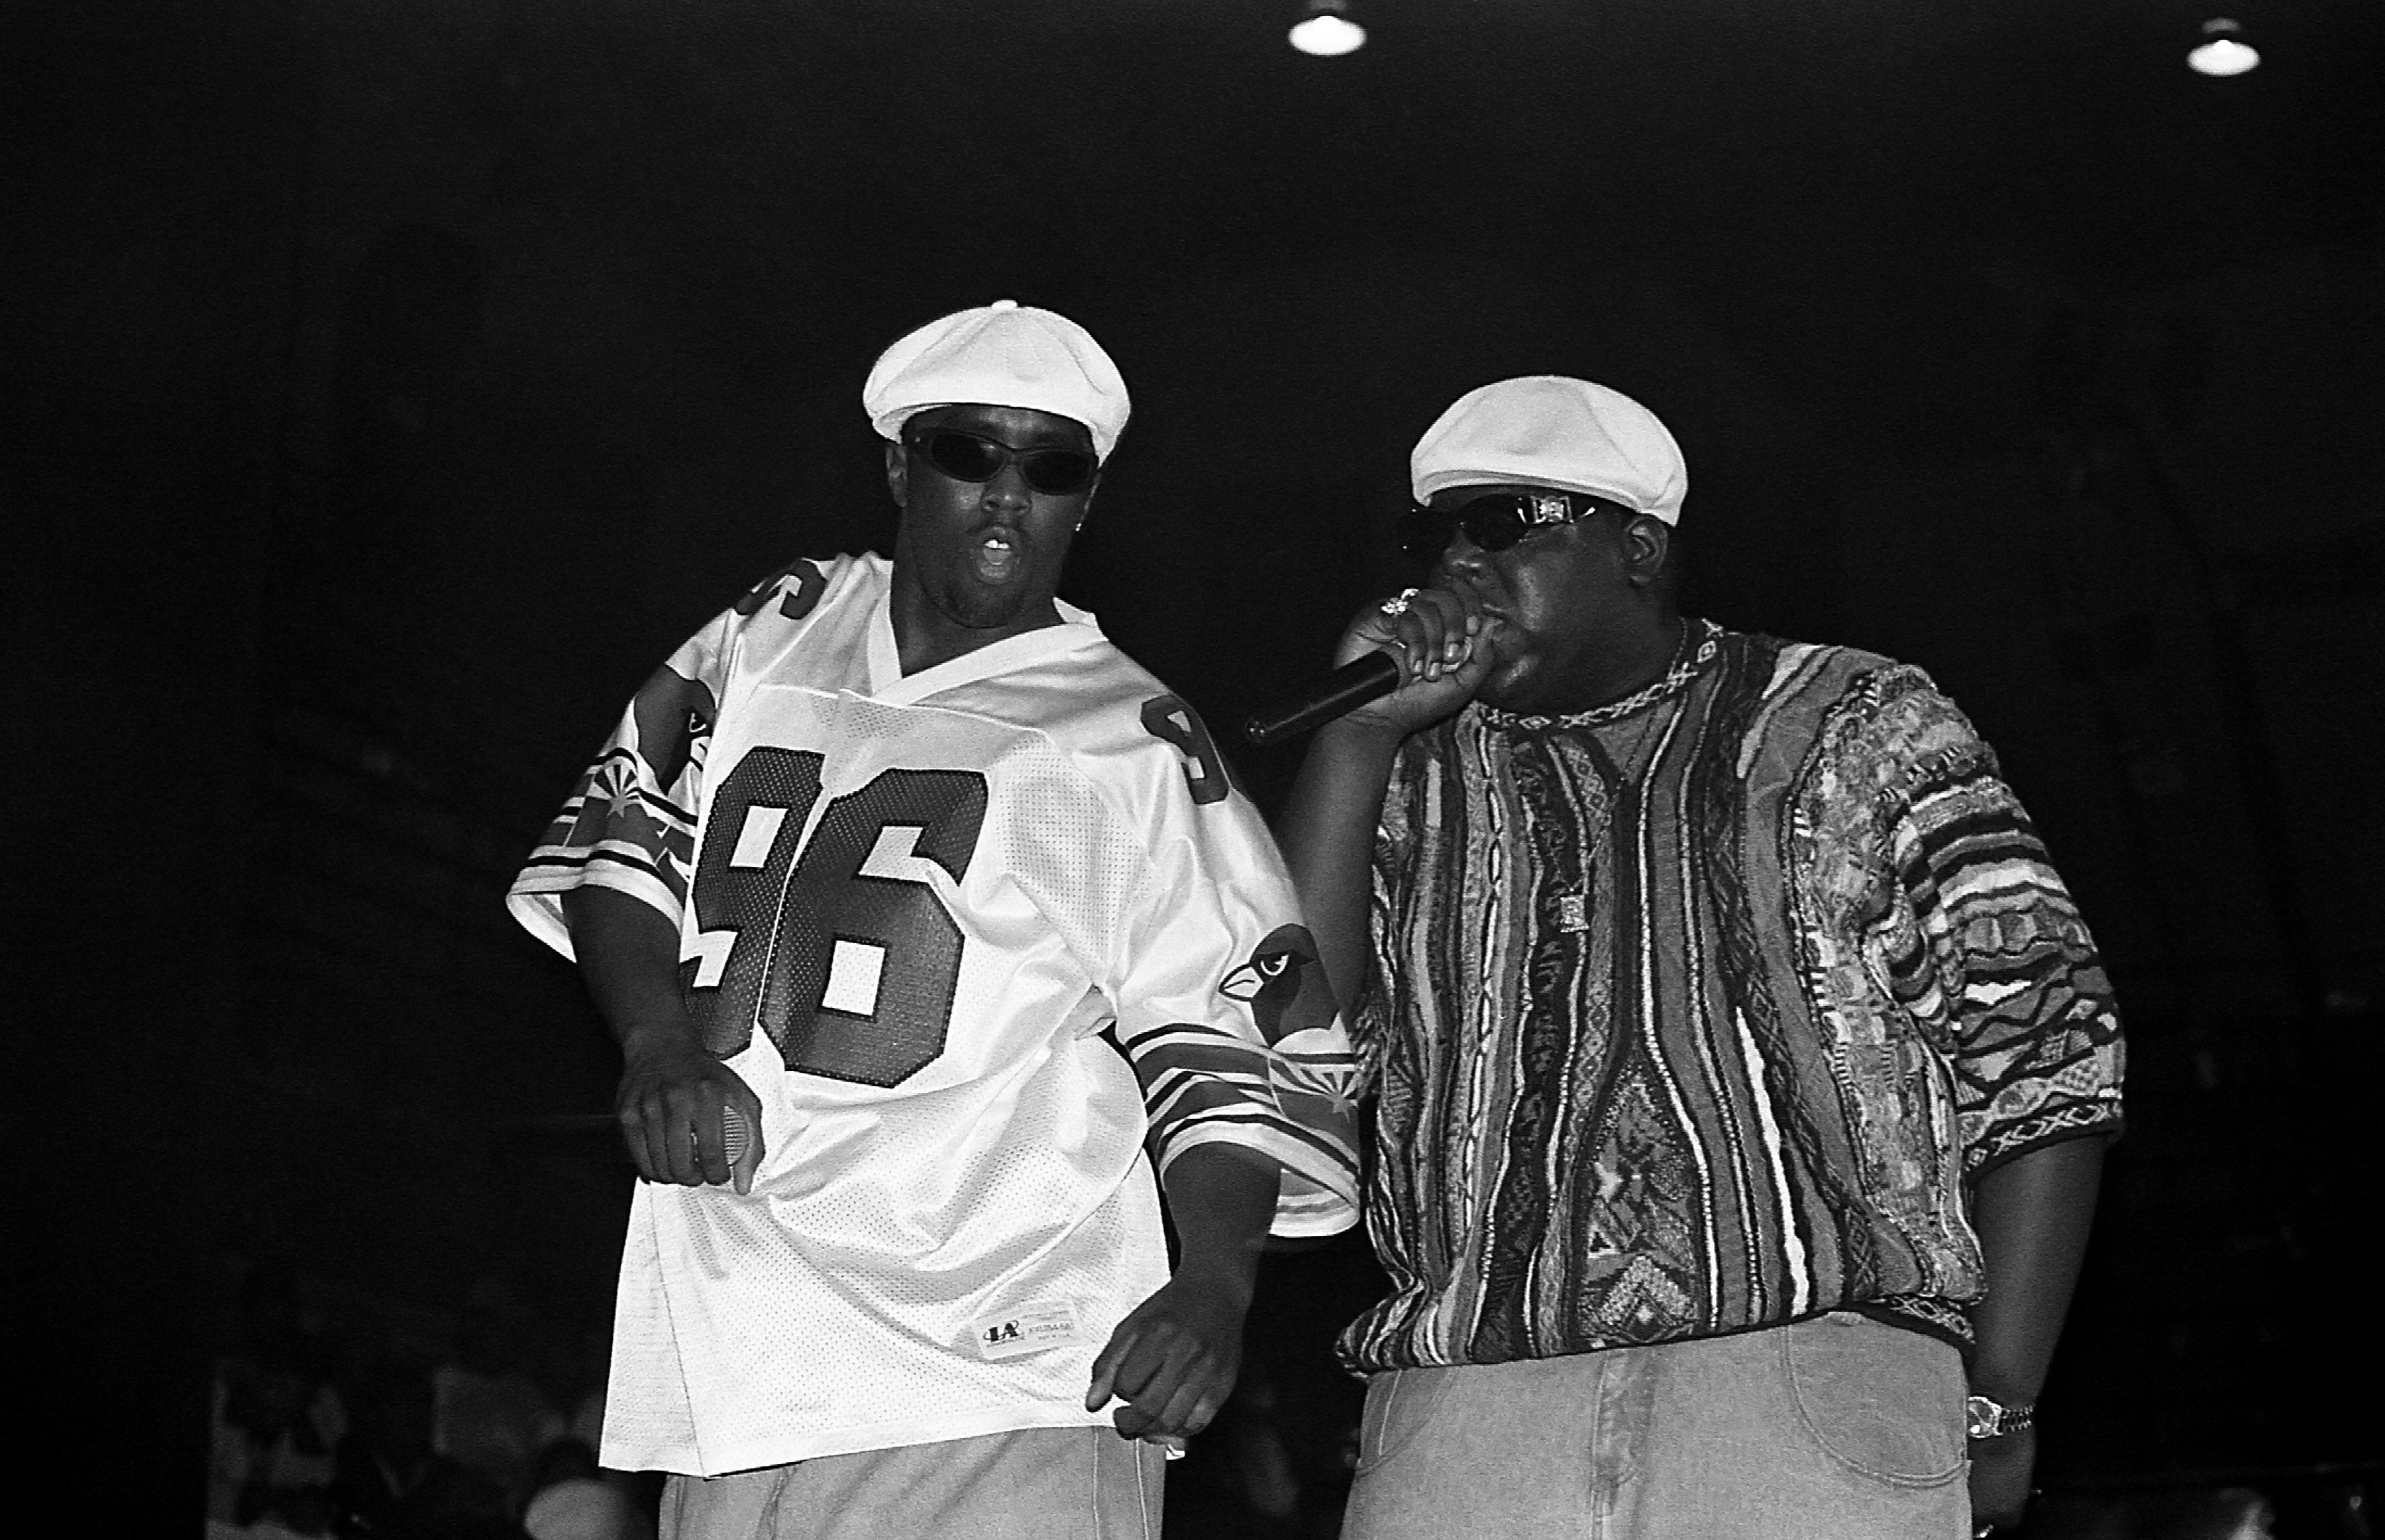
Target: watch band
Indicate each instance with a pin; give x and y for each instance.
(1985, 1417)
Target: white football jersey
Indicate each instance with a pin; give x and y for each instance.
(922, 917)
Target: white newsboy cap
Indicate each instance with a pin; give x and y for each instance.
(1000, 354)
(1550, 430)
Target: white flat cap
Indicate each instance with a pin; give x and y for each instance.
(1549, 430)
(1000, 354)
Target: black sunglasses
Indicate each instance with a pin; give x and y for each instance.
(1497, 520)
(966, 456)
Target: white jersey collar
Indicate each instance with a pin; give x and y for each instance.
(888, 683)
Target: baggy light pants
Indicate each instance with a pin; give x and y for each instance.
(1840, 1428)
(1039, 1483)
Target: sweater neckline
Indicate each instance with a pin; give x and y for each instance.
(1701, 641)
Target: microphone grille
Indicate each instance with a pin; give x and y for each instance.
(735, 1135)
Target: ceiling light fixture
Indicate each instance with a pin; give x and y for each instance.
(2223, 50)
(1326, 31)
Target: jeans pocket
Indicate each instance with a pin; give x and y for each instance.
(1399, 1403)
(1881, 1401)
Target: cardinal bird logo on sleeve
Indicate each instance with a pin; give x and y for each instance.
(1284, 984)
(1309, 1064)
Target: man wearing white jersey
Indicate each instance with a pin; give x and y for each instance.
(931, 926)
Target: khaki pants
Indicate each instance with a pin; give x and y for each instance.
(1038, 1484)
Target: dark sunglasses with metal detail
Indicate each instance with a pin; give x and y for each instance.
(966, 456)
(1496, 521)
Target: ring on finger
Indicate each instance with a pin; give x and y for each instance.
(1398, 602)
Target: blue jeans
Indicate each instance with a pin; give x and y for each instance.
(1838, 1428)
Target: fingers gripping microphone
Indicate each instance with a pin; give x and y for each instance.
(1345, 690)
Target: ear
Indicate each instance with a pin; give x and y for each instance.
(1647, 545)
(898, 473)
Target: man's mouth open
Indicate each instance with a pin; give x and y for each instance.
(998, 556)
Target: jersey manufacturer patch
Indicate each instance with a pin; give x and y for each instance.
(1032, 1330)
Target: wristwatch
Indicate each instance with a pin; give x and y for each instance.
(1988, 1417)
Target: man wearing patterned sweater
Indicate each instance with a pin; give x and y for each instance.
(933, 930)
(1743, 1069)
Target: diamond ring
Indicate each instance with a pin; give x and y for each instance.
(1398, 602)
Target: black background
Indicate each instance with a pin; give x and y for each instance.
(390, 385)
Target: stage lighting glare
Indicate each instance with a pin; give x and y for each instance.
(1326, 31)
(2225, 56)
(2223, 50)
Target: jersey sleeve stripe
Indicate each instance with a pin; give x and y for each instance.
(1319, 1194)
(1203, 1087)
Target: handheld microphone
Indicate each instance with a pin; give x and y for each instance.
(1323, 699)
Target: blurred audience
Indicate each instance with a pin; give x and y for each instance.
(574, 1500)
(276, 1418)
(592, 1365)
(389, 1483)
(489, 1413)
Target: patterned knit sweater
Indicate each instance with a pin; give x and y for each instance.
(1697, 1012)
